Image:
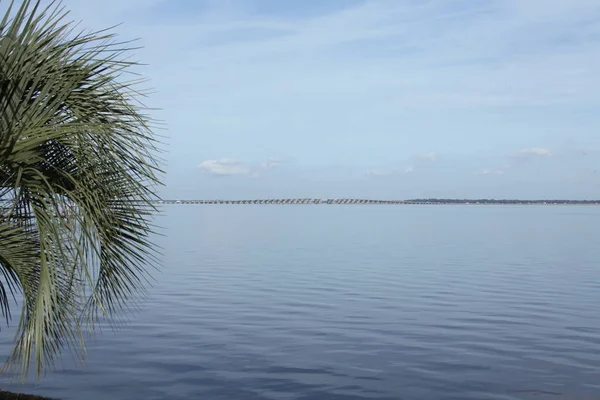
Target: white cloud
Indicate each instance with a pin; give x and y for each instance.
(224, 166)
(273, 162)
(228, 166)
(416, 159)
(377, 172)
(520, 159)
(428, 156)
(492, 172)
(389, 172)
(536, 151)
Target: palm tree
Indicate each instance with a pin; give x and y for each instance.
(79, 172)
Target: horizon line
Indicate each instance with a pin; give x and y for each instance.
(399, 201)
(389, 199)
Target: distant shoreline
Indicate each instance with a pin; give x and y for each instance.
(310, 201)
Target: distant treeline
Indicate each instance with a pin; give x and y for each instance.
(500, 201)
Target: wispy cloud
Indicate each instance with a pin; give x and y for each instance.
(427, 156)
(230, 167)
(508, 54)
(412, 163)
(379, 172)
(273, 162)
(389, 171)
(535, 152)
(492, 172)
(519, 159)
(526, 156)
(224, 166)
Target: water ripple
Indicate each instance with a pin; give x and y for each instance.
(356, 303)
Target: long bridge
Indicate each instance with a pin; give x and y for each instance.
(308, 201)
(284, 201)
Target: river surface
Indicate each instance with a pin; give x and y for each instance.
(357, 302)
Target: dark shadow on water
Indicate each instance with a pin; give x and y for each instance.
(21, 396)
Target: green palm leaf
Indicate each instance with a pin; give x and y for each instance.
(73, 138)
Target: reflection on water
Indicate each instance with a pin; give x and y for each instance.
(355, 302)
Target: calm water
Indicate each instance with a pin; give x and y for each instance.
(359, 302)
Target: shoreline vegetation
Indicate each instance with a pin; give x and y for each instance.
(369, 201)
(4, 395)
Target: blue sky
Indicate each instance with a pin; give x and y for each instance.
(375, 98)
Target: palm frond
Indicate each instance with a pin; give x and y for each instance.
(73, 136)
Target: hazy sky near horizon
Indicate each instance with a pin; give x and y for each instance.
(370, 98)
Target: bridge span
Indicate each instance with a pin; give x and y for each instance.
(284, 201)
(311, 201)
